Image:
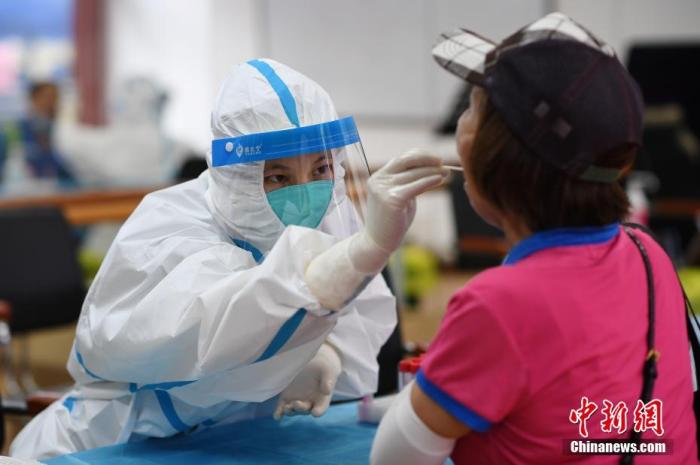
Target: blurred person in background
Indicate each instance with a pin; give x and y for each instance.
(130, 148)
(37, 129)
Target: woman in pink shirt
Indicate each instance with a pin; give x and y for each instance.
(540, 361)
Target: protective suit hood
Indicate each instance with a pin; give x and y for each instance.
(262, 96)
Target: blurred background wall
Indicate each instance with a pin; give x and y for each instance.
(373, 57)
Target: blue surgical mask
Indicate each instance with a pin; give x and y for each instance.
(302, 204)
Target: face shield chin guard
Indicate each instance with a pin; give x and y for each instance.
(307, 194)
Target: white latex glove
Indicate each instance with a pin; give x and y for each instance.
(392, 192)
(337, 275)
(311, 390)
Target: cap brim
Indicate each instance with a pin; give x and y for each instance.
(463, 53)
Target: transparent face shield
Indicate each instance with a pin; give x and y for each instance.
(312, 176)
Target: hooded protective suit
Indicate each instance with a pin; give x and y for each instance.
(200, 313)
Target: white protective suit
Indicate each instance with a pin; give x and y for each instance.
(183, 329)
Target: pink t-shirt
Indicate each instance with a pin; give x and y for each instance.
(564, 318)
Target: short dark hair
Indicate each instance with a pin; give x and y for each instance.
(38, 86)
(516, 181)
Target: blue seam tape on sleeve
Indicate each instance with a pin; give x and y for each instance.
(133, 387)
(285, 143)
(283, 335)
(452, 406)
(280, 88)
(166, 405)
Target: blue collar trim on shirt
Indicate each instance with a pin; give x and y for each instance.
(561, 237)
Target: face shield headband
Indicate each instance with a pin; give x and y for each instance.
(285, 143)
(301, 204)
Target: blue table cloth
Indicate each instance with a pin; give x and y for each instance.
(335, 438)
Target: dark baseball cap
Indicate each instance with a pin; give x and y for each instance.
(561, 91)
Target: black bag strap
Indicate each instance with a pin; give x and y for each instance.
(693, 328)
(649, 372)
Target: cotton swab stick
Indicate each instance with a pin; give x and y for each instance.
(453, 168)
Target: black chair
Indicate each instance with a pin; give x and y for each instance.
(191, 168)
(40, 278)
(391, 352)
(667, 75)
(480, 244)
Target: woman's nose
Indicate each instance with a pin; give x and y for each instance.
(302, 179)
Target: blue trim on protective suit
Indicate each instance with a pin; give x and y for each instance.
(69, 403)
(257, 255)
(452, 406)
(82, 364)
(164, 400)
(166, 405)
(285, 143)
(283, 335)
(559, 238)
(133, 387)
(280, 88)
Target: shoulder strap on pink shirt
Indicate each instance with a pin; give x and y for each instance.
(693, 328)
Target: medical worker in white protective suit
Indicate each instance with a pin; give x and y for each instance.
(250, 290)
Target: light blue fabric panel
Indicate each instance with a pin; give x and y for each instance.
(334, 438)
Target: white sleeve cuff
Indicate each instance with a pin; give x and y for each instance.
(403, 438)
(334, 277)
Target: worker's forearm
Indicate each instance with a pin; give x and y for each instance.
(340, 273)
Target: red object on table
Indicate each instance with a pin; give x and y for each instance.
(410, 365)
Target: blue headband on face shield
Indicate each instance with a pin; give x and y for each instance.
(285, 143)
